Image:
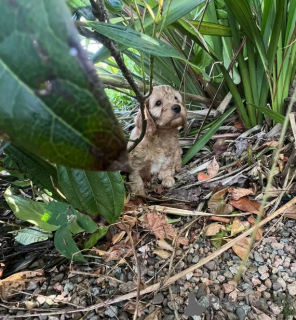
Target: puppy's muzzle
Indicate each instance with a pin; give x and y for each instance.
(176, 108)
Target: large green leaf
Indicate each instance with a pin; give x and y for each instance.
(95, 237)
(206, 137)
(97, 193)
(204, 28)
(178, 9)
(58, 214)
(65, 244)
(52, 102)
(29, 210)
(139, 41)
(27, 236)
(42, 173)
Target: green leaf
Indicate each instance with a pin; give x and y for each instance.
(139, 41)
(205, 28)
(97, 193)
(28, 210)
(277, 117)
(206, 137)
(178, 9)
(33, 235)
(61, 213)
(83, 8)
(52, 103)
(65, 244)
(21, 183)
(42, 173)
(95, 237)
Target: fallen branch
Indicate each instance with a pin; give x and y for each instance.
(171, 280)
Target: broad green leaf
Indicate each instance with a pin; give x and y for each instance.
(97, 193)
(205, 28)
(206, 137)
(52, 103)
(42, 173)
(95, 237)
(33, 235)
(139, 41)
(21, 183)
(61, 213)
(28, 210)
(178, 9)
(65, 244)
(277, 117)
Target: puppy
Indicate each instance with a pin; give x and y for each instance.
(159, 153)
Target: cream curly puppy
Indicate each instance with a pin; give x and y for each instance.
(159, 153)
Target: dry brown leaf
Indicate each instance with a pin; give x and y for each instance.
(117, 237)
(212, 229)
(18, 282)
(157, 223)
(202, 176)
(217, 203)
(162, 253)
(290, 212)
(130, 307)
(237, 226)
(131, 221)
(133, 204)
(164, 245)
(183, 240)
(241, 247)
(219, 146)
(237, 193)
(155, 315)
(247, 205)
(271, 144)
(117, 252)
(260, 231)
(213, 168)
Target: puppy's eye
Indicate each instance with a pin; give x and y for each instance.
(176, 98)
(158, 103)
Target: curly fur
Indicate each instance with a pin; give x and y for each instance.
(159, 153)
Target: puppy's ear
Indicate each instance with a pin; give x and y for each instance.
(151, 127)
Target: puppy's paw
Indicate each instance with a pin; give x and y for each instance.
(168, 182)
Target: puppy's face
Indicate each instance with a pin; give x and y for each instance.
(166, 108)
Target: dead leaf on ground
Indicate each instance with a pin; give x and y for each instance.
(133, 204)
(155, 315)
(157, 223)
(239, 125)
(164, 245)
(260, 231)
(130, 307)
(219, 146)
(162, 253)
(247, 205)
(237, 226)
(241, 247)
(217, 203)
(159, 189)
(237, 193)
(202, 176)
(290, 212)
(213, 228)
(18, 282)
(213, 168)
(270, 144)
(117, 237)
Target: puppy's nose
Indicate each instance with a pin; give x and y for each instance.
(176, 108)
